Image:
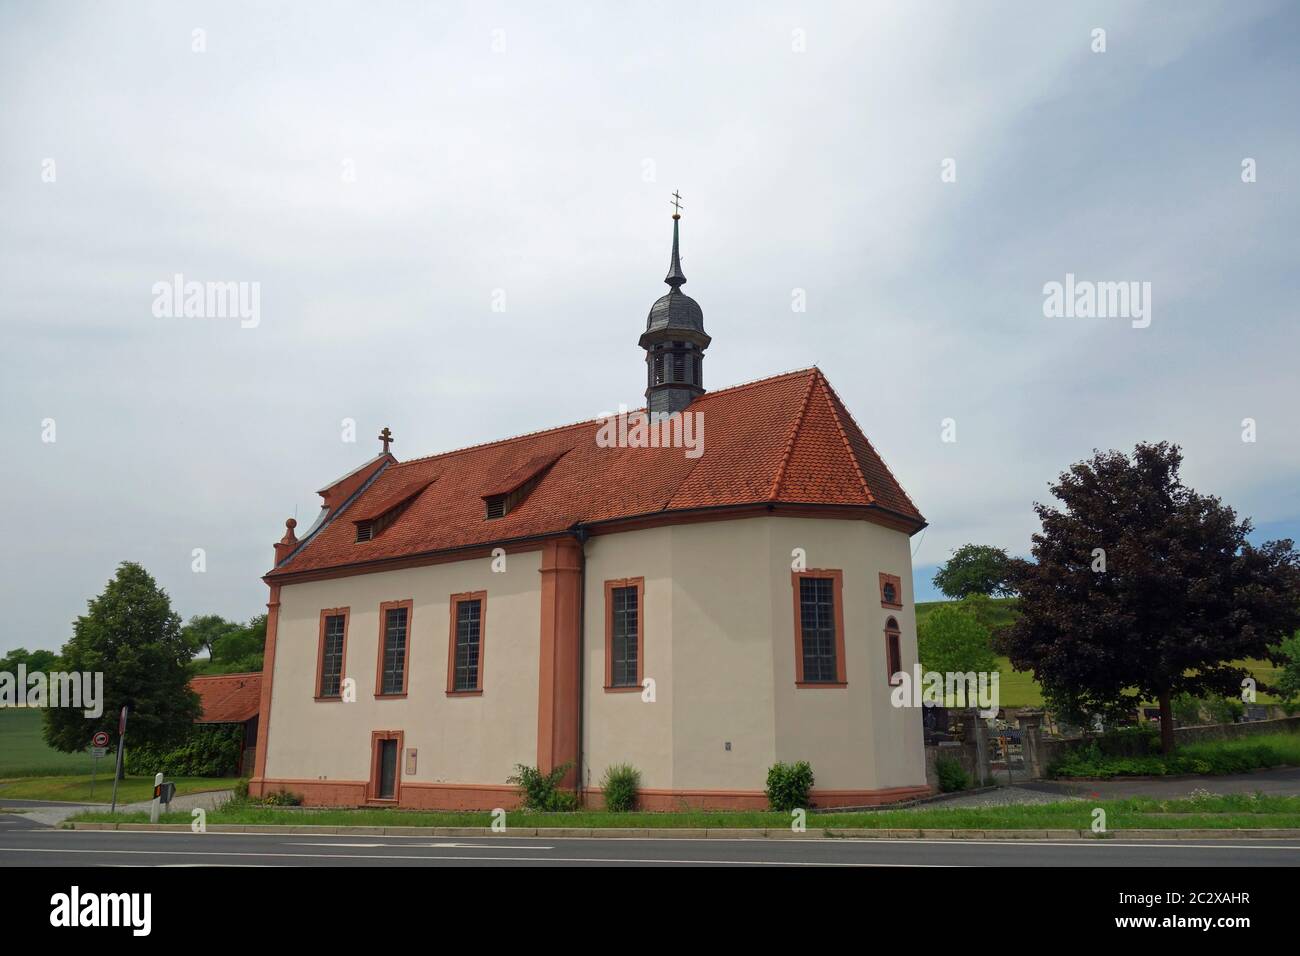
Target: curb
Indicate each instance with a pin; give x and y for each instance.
(725, 833)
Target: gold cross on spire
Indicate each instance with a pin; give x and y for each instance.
(677, 204)
(386, 437)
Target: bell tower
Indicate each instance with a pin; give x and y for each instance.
(674, 339)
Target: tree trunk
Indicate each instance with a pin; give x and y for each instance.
(1166, 724)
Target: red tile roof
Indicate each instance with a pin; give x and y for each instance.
(786, 439)
(228, 698)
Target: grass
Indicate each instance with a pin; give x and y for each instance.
(24, 753)
(1019, 689)
(76, 789)
(1240, 811)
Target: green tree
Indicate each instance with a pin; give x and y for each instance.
(1287, 654)
(974, 569)
(953, 641)
(203, 631)
(1142, 588)
(131, 635)
(37, 660)
(238, 650)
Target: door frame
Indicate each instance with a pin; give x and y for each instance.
(372, 788)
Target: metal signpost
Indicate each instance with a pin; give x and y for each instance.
(98, 747)
(121, 738)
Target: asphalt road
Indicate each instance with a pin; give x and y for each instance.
(22, 844)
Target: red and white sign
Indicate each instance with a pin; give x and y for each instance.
(99, 740)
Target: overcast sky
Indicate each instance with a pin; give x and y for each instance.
(382, 169)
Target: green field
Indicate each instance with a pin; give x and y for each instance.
(24, 753)
(1019, 689)
(31, 770)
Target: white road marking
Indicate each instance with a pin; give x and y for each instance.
(476, 859)
(1086, 842)
(431, 846)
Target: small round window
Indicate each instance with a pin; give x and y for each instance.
(891, 593)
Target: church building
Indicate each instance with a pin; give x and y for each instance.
(700, 589)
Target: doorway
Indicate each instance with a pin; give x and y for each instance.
(385, 780)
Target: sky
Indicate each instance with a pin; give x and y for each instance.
(457, 218)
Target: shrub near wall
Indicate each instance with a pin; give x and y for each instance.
(788, 785)
(210, 750)
(620, 786)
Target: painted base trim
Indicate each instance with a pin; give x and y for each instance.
(414, 794)
(468, 796)
(667, 800)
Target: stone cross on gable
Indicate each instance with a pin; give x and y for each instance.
(386, 437)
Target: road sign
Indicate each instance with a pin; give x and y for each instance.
(100, 740)
(98, 752)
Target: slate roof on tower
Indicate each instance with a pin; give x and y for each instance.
(785, 440)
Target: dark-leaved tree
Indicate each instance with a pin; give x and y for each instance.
(131, 635)
(1141, 588)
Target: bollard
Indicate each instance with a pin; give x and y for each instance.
(157, 797)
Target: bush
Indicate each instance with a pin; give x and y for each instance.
(1140, 740)
(241, 789)
(952, 776)
(209, 750)
(282, 798)
(788, 785)
(620, 785)
(1215, 757)
(541, 792)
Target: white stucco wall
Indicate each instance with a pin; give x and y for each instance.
(474, 740)
(719, 643)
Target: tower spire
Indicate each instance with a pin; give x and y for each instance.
(674, 338)
(676, 278)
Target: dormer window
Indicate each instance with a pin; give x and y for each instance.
(509, 493)
(372, 521)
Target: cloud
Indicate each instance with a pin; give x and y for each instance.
(525, 170)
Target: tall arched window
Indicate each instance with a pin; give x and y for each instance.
(893, 650)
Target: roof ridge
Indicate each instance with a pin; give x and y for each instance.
(794, 434)
(839, 427)
(592, 421)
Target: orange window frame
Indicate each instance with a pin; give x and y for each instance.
(836, 576)
(639, 584)
(456, 601)
(384, 608)
(325, 614)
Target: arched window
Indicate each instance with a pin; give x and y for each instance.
(893, 650)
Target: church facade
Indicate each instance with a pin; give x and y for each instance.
(605, 593)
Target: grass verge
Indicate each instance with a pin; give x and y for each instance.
(76, 789)
(1239, 811)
